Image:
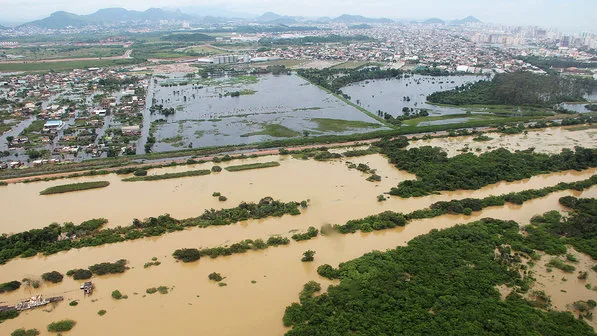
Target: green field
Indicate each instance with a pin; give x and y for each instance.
(168, 176)
(253, 166)
(339, 125)
(274, 130)
(66, 65)
(74, 187)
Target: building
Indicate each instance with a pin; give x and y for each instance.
(53, 125)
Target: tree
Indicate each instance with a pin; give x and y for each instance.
(308, 256)
(53, 277)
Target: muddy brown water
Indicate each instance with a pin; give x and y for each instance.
(196, 305)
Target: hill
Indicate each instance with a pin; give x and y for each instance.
(466, 20)
(434, 21)
(359, 19)
(61, 19)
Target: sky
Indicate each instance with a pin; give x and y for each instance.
(567, 15)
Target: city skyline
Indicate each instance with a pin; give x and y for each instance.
(570, 16)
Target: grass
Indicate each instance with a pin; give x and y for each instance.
(253, 166)
(274, 130)
(340, 125)
(60, 326)
(557, 263)
(74, 187)
(350, 65)
(168, 176)
(66, 65)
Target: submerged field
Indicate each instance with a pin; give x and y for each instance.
(267, 107)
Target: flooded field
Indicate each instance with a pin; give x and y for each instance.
(208, 114)
(550, 140)
(388, 95)
(260, 284)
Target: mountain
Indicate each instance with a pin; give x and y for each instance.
(63, 19)
(434, 21)
(212, 11)
(273, 18)
(466, 20)
(359, 19)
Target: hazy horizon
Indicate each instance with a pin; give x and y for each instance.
(573, 15)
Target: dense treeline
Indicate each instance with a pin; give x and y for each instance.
(518, 88)
(436, 172)
(55, 238)
(74, 187)
(312, 232)
(547, 63)
(335, 79)
(9, 286)
(109, 268)
(551, 232)
(442, 283)
(192, 254)
(188, 37)
(390, 219)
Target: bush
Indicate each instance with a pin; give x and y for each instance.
(328, 271)
(102, 312)
(9, 286)
(8, 314)
(140, 172)
(109, 268)
(60, 326)
(53, 277)
(311, 233)
(187, 254)
(151, 290)
(216, 194)
(277, 240)
(216, 169)
(163, 290)
(215, 277)
(80, 274)
(308, 256)
(222, 198)
(116, 295)
(73, 303)
(23, 332)
(467, 211)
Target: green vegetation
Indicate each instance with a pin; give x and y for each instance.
(340, 125)
(518, 88)
(222, 284)
(74, 187)
(311, 233)
(328, 271)
(116, 294)
(23, 332)
(253, 166)
(187, 254)
(222, 198)
(360, 152)
(163, 289)
(154, 262)
(217, 277)
(329, 79)
(88, 233)
(274, 130)
(53, 277)
(168, 176)
(482, 137)
(151, 290)
(308, 256)
(445, 281)
(80, 274)
(536, 238)
(8, 314)
(243, 246)
(65, 65)
(109, 268)
(557, 263)
(436, 172)
(160, 289)
(73, 303)
(216, 169)
(61, 326)
(101, 312)
(9, 286)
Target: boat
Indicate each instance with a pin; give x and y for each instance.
(87, 287)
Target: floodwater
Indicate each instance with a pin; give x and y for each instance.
(388, 95)
(205, 116)
(196, 305)
(550, 140)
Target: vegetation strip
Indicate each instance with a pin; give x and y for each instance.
(168, 176)
(253, 166)
(437, 172)
(74, 187)
(50, 239)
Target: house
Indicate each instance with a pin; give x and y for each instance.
(131, 130)
(53, 125)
